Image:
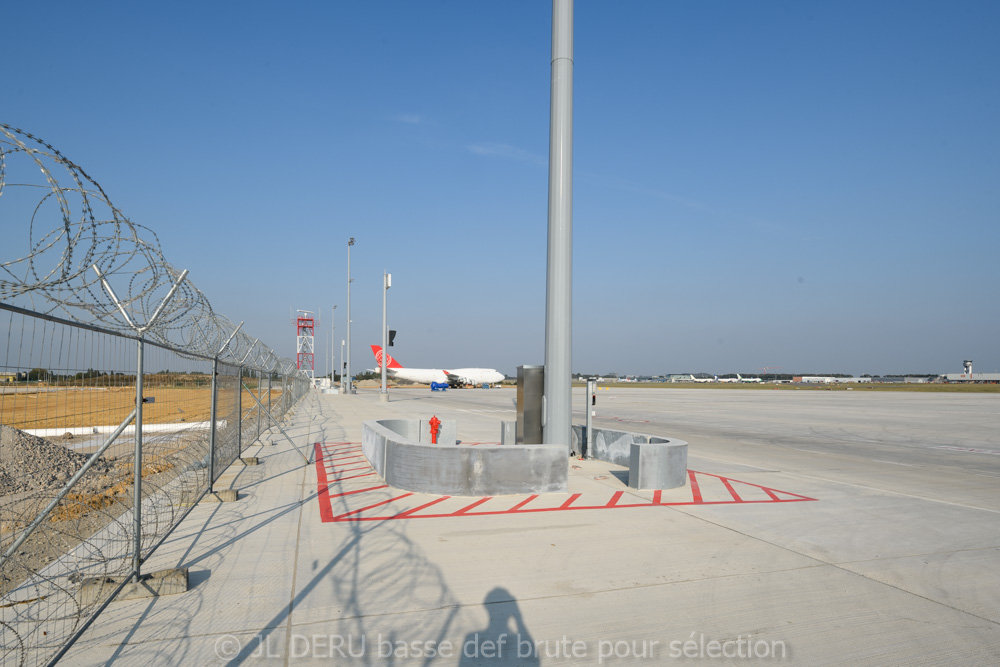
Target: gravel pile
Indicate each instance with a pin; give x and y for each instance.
(30, 463)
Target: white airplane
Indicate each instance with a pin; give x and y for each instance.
(743, 379)
(735, 379)
(694, 379)
(458, 377)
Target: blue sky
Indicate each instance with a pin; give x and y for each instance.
(803, 186)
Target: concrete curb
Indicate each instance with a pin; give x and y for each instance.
(461, 471)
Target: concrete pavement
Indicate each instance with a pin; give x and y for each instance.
(814, 530)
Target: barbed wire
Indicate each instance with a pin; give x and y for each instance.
(72, 226)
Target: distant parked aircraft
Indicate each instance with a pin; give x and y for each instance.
(457, 377)
(743, 379)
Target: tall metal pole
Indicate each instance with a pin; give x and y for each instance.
(383, 394)
(347, 367)
(558, 417)
(333, 344)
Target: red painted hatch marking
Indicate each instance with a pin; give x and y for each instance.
(730, 491)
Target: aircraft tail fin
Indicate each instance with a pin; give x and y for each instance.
(389, 361)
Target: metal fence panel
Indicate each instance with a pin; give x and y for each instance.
(108, 429)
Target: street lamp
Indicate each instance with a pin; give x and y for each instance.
(333, 343)
(383, 394)
(349, 386)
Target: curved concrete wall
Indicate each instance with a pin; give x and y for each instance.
(405, 463)
(613, 446)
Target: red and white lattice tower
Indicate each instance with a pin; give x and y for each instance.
(305, 356)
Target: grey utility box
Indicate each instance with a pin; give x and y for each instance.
(530, 393)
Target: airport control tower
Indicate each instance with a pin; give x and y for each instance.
(305, 355)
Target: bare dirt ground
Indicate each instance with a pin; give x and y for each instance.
(33, 470)
(68, 407)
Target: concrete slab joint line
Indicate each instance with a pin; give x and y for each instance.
(399, 452)
(365, 498)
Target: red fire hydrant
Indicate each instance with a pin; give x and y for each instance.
(435, 424)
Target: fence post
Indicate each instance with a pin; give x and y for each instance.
(239, 413)
(215, 404)
(141, 331)
(214, 423)
(260, 383)
(137, 475)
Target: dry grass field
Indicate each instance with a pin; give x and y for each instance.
(67, 407)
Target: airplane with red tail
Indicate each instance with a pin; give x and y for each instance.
(456, 377)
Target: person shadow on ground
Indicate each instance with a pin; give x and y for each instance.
(505, 640)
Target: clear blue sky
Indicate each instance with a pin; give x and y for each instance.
(807, 186)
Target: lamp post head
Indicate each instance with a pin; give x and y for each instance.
(351, 242)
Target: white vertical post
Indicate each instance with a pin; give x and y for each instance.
(589, 399)
(383, 394)
(557, 421)
(347, 366)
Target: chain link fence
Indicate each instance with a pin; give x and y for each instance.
(123, 398)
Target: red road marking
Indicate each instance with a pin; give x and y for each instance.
(420, 507)
(695, 491)
(352, 456)
(351, 493)
(472, 506)
(323, 492)
(732, 491)
(352, 448)
(326, 512)
(770, 492)
(341, 479)
(366, 466)
(384, 502)
(523, 503)
(570, 501)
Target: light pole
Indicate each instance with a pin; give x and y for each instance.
(348, 385)
(559, 279)
(333, 342)
(343, 374)
(383, 394)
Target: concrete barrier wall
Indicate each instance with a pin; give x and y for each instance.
(616, 447)
(408, 464)
(609, 446)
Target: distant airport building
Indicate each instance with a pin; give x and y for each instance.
(827, 379)
(968, 376)
(987, 378)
